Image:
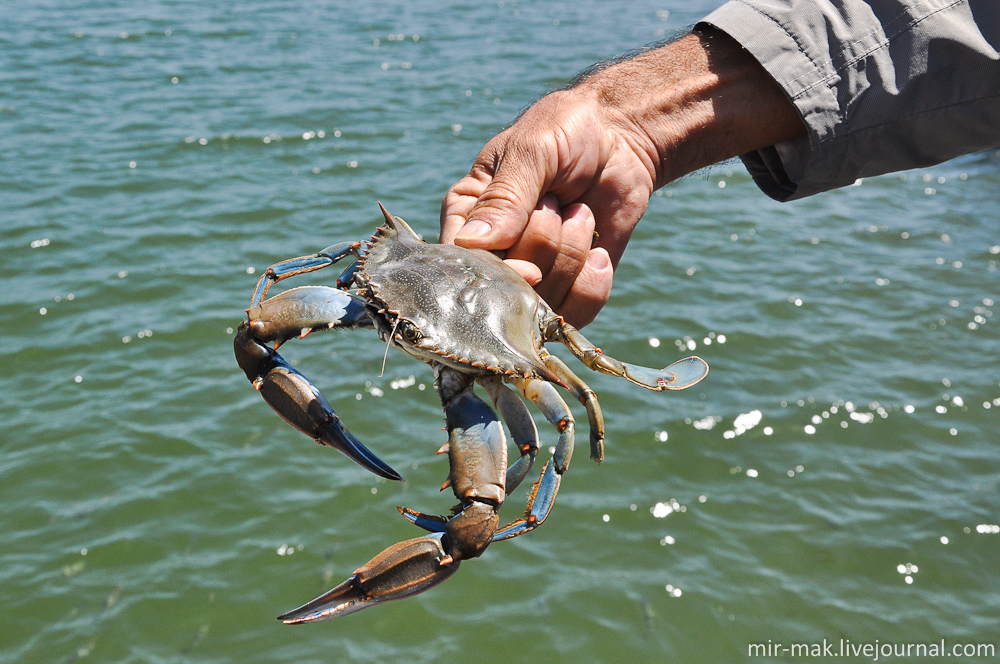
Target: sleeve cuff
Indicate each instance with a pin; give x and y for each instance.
(793, 169)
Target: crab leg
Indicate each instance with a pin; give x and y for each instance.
(521, 426)
(543, 492)
(477, 452)
(288, 392)
(679, 375)
(584, 395)
(304, 264)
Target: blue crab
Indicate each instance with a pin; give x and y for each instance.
(473, 320)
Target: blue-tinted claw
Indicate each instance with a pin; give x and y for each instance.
(299, 403)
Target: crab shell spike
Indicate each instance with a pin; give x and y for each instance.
(398, 225)
(388, 217)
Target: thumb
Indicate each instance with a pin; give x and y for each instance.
(501, 214)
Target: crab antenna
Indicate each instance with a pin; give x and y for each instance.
(388, 343)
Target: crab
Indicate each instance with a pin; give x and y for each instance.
(474, 320)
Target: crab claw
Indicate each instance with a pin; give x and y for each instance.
(402, 570)
(299, 403)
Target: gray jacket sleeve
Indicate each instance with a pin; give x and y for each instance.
(881, 85)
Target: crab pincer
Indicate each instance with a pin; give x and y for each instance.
(402, 570)
(292, 395)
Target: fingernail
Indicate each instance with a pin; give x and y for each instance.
(474, 229)
(549, 203)
(579, 212)
(598, 260)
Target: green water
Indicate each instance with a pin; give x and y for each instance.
(155, 510)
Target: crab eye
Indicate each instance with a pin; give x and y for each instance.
(409, 332)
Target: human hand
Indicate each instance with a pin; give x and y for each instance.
(559, 192)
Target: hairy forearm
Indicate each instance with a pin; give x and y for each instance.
(692, 103)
